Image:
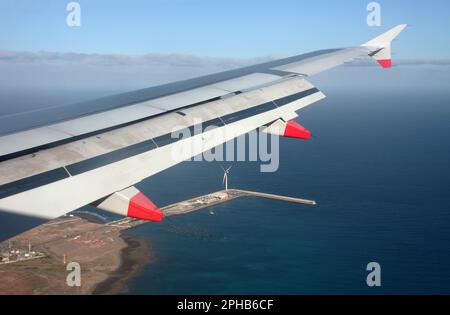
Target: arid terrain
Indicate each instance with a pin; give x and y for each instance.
(95, 246)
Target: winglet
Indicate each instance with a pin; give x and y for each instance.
(381, 46)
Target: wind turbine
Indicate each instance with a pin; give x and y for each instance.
(225, 177)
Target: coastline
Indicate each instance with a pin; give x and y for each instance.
(133, 257)
(104, 252)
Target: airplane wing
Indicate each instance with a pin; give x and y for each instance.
(56, 160)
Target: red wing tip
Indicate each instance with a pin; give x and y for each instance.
(385, 63)
(140, 207)
(295, 130)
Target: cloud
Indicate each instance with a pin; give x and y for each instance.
(169, 60)
(435, 62)
(106, 73)
(178, 60)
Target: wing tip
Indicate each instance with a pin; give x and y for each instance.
(384, 40)
(380, 46)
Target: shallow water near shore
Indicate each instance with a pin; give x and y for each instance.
(133, 257)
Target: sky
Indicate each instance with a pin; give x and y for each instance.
(231, 28)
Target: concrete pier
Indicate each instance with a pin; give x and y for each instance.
(276, 197)
(208, 200)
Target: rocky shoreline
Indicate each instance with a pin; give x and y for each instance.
(133, 257)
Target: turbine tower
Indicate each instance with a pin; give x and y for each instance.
(225, 177)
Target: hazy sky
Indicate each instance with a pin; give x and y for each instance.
(227, 28)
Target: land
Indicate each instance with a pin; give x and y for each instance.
(95, 246)
(108, 256)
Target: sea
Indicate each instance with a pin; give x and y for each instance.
(378, 166)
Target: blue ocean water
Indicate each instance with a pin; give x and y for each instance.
(378, 165)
